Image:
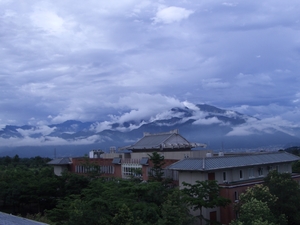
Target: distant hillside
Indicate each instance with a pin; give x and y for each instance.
(294, 150)
(218, 128)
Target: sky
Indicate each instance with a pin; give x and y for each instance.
(97, 60)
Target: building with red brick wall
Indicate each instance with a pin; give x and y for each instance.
(125, 162)
(234, 174)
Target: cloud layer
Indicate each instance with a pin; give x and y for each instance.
(213, 121)
(98, 60)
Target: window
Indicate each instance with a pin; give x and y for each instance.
(129, 169)
(276, 167)
(270, 168)
(260, 171)
(236, 196)
(241, 174)
(224, 176)
(251, 172)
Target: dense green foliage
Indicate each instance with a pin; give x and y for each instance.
(254, 207)
(255, 212)
(28, 187)
(274, 203)
(288, 193)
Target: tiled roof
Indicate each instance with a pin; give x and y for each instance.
(224, 162)
(60, 161)
(151, 141)
(7, 219)
(168, 140)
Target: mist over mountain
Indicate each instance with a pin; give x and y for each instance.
(220, 129)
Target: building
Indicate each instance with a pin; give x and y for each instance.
(128, 160)
(234, 174)
(60, 165)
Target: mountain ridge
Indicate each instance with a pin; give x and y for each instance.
(219, 128)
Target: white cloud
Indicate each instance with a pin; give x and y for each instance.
(166, 115)
(44, 130)
(48, 21)
(100, 126)
(143, 106)
(208, 121)
(253, 80)
(241, 131)
(297, 98)
(229, 4)
(50, 141)
(267, 125)
(171, 14)
(190, 105)
(215, 83)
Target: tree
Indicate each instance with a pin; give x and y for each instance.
(16, 159)
(259, 192)
(296, 167)
(156, 173)
(123, 217)
(203, 194)
(257, 201)
(287, 191)
(174, 210)
(255, 212)
(110, 202)
(91, 168)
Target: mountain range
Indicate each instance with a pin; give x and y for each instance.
(220, 129)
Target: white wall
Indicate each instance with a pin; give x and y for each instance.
(59, 169)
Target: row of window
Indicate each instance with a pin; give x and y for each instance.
(98, 169)
(260, 171)
(130, 170)
(172, 174)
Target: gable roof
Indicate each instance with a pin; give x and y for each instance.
(8, 219)
(60, 161)
(226, 162)
(168, 140)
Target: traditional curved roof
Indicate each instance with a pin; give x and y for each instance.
(162, 141)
